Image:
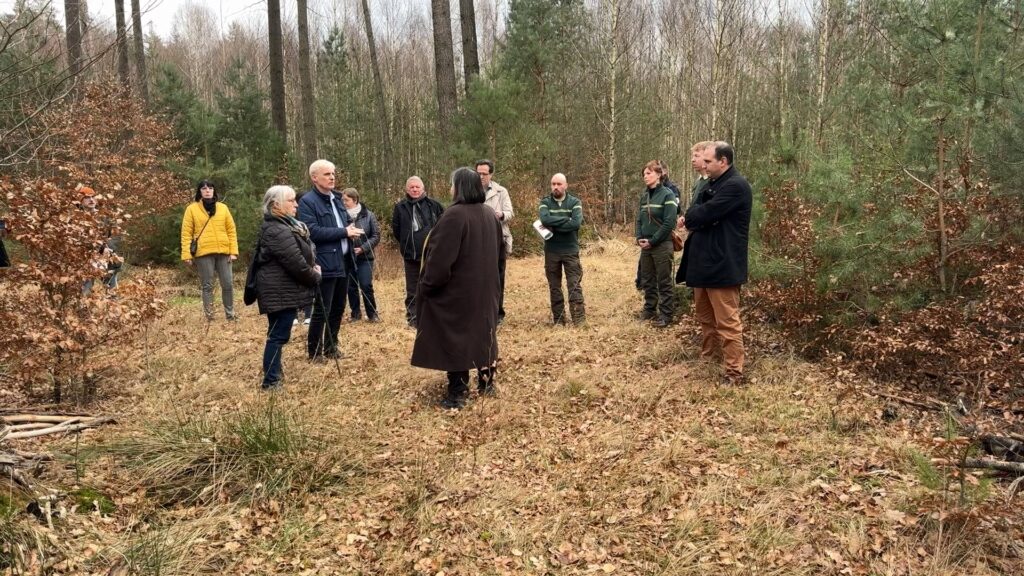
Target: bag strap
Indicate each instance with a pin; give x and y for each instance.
(203, 229)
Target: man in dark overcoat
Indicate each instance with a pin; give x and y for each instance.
(714, 260)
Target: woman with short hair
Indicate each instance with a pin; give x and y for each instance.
(458, 290)
(655, 220)
(362, 282)
(209, 242)
(286, 275)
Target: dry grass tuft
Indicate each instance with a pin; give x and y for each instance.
(610, 449)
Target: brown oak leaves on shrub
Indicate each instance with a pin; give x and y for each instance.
(51, 326)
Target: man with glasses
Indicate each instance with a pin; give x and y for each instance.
(497, 198)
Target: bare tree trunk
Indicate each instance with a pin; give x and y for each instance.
(140, 52)
(123, 72)
(613, 58)
(309, 141)
(73, 34)
(940, 186)
(470, 60)
(444, 66)
(823, 51)
(378, 84)
(277, 102)
(718, 32)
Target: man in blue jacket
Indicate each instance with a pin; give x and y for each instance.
(715, 258)
(323, 212)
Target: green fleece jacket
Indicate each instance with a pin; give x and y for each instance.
(657, 215)
(564, 219)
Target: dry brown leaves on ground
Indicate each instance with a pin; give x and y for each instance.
(610, 450)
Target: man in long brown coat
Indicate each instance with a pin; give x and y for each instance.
(458, 291)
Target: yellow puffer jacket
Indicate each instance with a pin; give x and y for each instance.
(219, 236)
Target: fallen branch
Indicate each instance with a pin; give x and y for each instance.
(32, 418)
(71, 425)
(1014, 467)
(932, 405)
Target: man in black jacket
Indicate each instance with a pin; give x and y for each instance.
(411, 221)
(715, 258)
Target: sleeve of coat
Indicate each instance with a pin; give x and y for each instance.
(281, 245)
(396, 225)
(725, 201)
(373, 234)
(638, 224)
(229, 224)
(670, 208)
(441, 250)
(547, 219)
(188, 224)
(506, 205)
(319, 234)
(576, 219)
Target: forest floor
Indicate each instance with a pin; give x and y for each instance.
(610, 449)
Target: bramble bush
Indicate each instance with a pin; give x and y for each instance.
(106, 141)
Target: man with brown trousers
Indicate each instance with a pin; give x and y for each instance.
(715, 258)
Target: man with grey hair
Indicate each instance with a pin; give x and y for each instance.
(323, 212)
(411, 221)
(562, 214)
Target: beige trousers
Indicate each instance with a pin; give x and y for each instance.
(718, 311)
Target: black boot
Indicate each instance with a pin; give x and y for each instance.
(458, 389)
(485, 381)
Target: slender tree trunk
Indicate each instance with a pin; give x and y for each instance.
(613, 58)
(444, 66)
(123, 72)
(309, 141)
(470, 60)
(823, 51)
(277, 102)
(140, 52)
(378, 84)
(940, 188)
(717, 63)
(73, 34)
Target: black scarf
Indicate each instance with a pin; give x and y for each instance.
(210, 206)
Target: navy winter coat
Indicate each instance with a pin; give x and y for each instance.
(315, 211)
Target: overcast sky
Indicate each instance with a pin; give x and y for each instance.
(159, 14)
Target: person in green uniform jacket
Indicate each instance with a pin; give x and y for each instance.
(562, 214)
(655, 219)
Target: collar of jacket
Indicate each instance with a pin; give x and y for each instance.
(725, 175)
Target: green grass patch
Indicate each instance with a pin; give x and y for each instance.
(90, 499)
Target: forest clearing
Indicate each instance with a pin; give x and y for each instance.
(609, 449)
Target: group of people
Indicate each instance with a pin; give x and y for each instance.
(318, 250)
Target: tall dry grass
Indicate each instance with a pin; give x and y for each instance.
(610, 449)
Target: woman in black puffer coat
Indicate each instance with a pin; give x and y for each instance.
(286, 277)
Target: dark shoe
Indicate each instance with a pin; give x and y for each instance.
(500, 320)
(734, 380)
(451, 403)
(232, 318)
(356, 317)
(661, 323)
(373, 319)
(579, 321)
(644, 315)
(272, 386)
(558, 322)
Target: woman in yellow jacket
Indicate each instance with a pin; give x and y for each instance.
(209, 242)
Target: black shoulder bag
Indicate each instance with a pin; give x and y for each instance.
(250, 277)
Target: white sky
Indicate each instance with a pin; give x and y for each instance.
(159, 14)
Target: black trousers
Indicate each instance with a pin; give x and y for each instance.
(501, 298)
(412, 278)
(322, 338)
